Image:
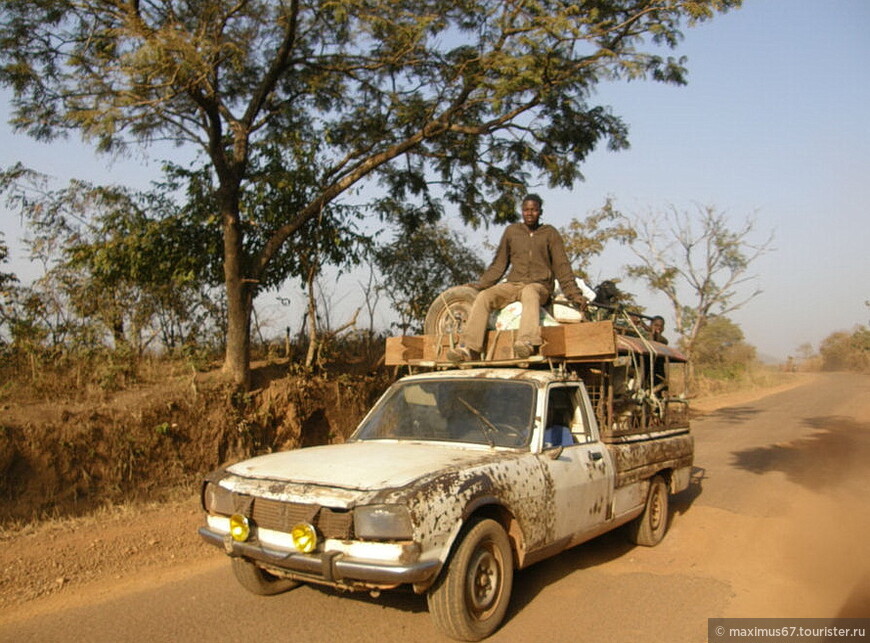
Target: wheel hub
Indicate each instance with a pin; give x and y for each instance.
(655, 514)
(484, 581)
(455, 322)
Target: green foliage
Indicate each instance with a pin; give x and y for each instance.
(586, 239)
(8, 289)
(271, 196)
(358, 84)
(164, 428)
(843, 351)
(419, 265)
(281, 183)
(7, 279)
(133, 263)
(719, 351)
(37, 322)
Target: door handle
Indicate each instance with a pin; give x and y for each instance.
(595, 455)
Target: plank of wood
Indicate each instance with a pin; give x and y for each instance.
(401, 350)
(588, 341)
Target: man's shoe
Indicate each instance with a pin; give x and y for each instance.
(522, 350)
(462, 354)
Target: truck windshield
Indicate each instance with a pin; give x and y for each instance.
(492, 412)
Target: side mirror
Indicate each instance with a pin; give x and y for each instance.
(554, 453)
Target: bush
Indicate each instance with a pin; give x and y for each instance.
(843, 351)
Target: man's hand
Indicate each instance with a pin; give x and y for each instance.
(580, 301)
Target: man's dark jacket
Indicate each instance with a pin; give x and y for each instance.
(534, 256)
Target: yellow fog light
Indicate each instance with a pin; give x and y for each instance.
(304, 537)
(240, 528)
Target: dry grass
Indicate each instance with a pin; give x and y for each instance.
(754, 377)
(82, 379)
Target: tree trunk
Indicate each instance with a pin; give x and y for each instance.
(118, 337)
(691, 385)
(239, 304)
(312, 320)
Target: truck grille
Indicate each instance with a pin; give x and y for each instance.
(282, 516)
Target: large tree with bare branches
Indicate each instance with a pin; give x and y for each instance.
(700, 260)
(474, 96)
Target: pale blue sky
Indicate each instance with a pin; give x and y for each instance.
(773, 123)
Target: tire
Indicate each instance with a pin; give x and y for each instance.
(469, 600)
(450, 310)
(259, 581)
(649, 528)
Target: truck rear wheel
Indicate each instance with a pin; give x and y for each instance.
(259, 581)
(449, 312)
(469, 600)
(648, 529)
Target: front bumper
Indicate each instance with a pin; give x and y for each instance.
(333, 568)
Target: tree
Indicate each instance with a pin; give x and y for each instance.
(8, 280)
(419, 265)
(124, 259)
(700, 263)
(843, 351)
(472, 97)
(720, 349)
(805, 351)
(312, 260)
(586, 239)
(5, 277)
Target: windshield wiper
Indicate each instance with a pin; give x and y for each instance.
(484, 422)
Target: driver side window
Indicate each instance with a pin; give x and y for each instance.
(564, 425)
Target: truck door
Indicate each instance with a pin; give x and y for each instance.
(582, 472)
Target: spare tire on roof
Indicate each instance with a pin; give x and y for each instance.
(450, 310)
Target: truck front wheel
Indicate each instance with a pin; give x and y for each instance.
(648, 529)
(470, 599)
(259, 581)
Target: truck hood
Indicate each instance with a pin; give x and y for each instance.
(363, 466)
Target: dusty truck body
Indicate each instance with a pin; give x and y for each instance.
(452, 481)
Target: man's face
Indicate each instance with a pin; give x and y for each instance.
(531, 213)
(657, 325)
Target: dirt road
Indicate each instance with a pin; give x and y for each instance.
(775, 525)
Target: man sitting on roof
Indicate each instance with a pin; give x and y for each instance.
(535, 254)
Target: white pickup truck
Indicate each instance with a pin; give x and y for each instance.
(453, 480)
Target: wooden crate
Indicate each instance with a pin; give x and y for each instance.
(589, 341)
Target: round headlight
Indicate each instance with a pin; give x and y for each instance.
(240, 528)
(304, 537)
